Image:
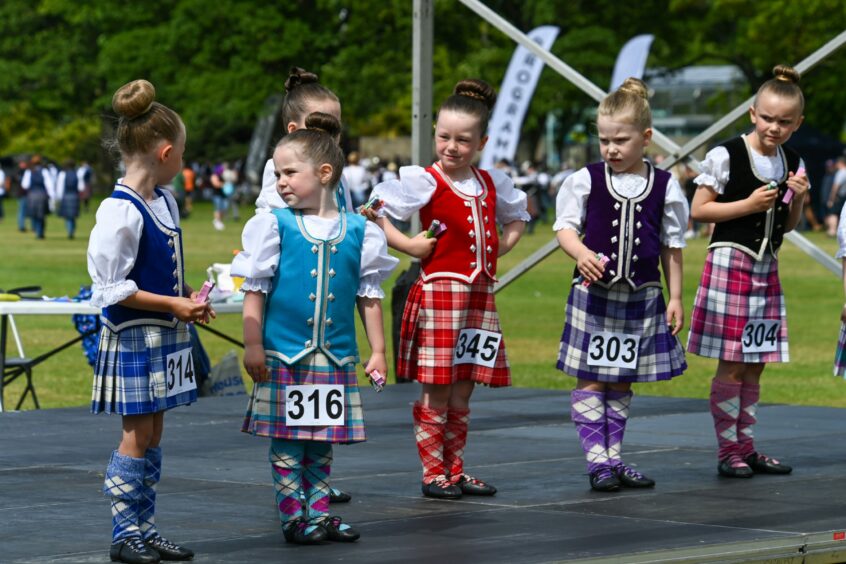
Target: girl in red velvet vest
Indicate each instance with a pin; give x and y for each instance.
(752, 188)
(451, 337)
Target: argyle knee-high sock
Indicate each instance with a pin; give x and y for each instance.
(616, 415)
(587, 411)
(124, 484)
(429, 432)
(455, 439)
(286, 460)
(147, 503)
(725, 409)
(317, 464)
(749, 395)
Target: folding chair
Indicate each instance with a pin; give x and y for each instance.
(22, 365)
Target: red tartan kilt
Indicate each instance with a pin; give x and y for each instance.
(435, 313)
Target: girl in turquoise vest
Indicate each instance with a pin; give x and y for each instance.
(306, 268)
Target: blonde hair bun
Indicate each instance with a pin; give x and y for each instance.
(786, 73)
(636, 87)
(134, 99)
(325, 123)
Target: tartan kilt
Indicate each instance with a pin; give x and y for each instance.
(266, 408)
(619, 309)
(734, 289)
(130, 374)
(435, 313)
(840, 353)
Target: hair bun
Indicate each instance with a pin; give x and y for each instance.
(318, 121)
(134, 99)
(297, 77)
(786, 73)
(635, 86)
(476, 89)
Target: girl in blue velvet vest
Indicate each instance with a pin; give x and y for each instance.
(306, 267)
(143, 365)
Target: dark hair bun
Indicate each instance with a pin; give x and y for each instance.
(786, 74)
(134, 99)
(318, 121)
(297, 77)
(476, 89)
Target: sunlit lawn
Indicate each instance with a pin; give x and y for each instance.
(531, 309)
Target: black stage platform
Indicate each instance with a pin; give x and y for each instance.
(216, 495)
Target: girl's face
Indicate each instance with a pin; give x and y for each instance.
(298, 181)
(326, 106)
(457, 139)
(775, 118)
(621, 143)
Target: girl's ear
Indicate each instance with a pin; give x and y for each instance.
(483, 142)
(647, 136)
(165, 152)
(324, 172)
(292, 126)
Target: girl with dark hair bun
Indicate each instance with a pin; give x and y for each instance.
(753, 188)
(144, 364)
(299, 327)
(451, 337)
(304, 95)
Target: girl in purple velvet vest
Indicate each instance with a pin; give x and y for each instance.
(752, 188)
(618, 219)
(144, 362)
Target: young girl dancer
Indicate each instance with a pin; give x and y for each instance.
(739, 311)
(306, 267)
(840, 352)
(618, 219)
(451, 337)
(304, 95)
(144, 360)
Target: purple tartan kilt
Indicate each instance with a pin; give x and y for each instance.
(734, 289)
(621, 310)
(840, 353)
(130, 374)
(266, 408)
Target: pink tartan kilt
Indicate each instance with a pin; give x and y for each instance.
(734, 289)
(435, 313)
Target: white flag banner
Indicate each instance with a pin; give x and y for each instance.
(515, 93)
(632, 60)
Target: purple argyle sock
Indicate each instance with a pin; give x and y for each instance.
(587, 411)
(616, 414)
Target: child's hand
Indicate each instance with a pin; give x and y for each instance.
(421, 246)
(589, 266)
(675, 315)
(377, 362)
(799, 183)
(254, 362)
(762, 199)
(369, 213)
(189, 311)
(843, 314)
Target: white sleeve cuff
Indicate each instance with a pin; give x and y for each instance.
(110, 294)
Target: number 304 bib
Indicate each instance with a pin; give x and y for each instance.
(314, 405)
(477, 346)
(760, 335)
(615, 350)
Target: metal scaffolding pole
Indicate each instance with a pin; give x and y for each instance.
(421, 86)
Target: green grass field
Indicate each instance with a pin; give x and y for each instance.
(531, 309)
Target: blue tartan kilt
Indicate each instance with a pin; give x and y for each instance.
(130, 373)
(620, 310)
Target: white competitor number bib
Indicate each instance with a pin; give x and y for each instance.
(477, 346)
(179, 373)
(314, 405)
(760, 335)
(617, 350)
